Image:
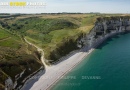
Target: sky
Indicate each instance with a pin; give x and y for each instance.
(83, 6)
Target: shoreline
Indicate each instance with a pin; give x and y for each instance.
(89, 52)
(69, 70)
(50, 78)
(50, 71)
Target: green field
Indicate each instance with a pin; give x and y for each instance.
(50, 32)
(3, 34)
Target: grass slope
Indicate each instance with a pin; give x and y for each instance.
(15, 57)
(49, 32)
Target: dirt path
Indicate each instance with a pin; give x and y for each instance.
(39, 50)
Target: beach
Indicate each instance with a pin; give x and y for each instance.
(55, 72)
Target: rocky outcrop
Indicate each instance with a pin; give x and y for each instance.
(105, 27)
(8, 84)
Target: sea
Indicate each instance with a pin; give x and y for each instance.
(106, 68)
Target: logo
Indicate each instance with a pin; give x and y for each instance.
(22, 4)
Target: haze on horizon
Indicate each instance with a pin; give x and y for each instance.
(83, 6)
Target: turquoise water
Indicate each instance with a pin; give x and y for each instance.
(106, 68)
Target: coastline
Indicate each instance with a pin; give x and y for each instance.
(69, 70)
(54, 73)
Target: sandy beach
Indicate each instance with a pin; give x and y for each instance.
(44, 81)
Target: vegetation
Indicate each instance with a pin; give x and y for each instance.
(57, 35)
(51, 33)
(15, 57)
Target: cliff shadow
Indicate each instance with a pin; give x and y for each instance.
(33, 80)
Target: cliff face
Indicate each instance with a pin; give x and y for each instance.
(66, 47)
(106, 26)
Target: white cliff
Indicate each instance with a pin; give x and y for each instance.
(8, 84)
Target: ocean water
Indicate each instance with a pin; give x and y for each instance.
(106, 68)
